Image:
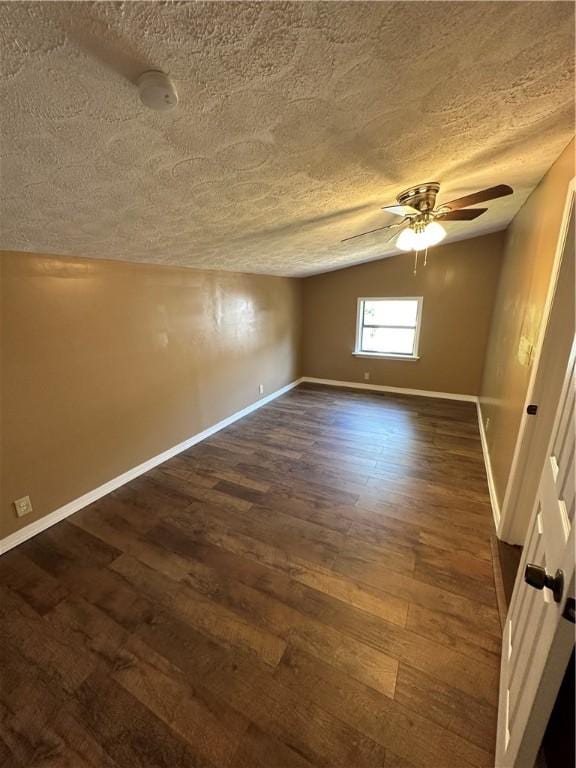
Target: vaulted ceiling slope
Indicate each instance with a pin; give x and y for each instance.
(296, 122)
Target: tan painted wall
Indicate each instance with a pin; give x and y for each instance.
(528, 257)
(106, 364)
(458, 285)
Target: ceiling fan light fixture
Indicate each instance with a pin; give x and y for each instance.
(419, 228)
(420, 237)
(406, 240)
(434, 233)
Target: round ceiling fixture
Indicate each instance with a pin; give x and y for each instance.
(157, 91)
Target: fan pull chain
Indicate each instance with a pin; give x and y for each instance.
(415, 261)
(425, 256)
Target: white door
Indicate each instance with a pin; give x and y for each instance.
(539, 633)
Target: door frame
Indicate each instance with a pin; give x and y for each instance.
(522, 465)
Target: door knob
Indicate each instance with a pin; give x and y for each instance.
(536, 577)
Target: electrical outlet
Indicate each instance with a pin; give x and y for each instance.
(261, 388)
(367, 376)
(23, 506)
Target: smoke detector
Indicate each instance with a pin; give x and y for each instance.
(157, 91)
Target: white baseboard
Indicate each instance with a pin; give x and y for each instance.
(487, 463)
(398, 390)
(88, 498)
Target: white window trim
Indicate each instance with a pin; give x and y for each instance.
(358, 352)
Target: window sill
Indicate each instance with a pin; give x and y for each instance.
(386, 357)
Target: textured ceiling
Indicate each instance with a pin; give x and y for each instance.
(296, 122)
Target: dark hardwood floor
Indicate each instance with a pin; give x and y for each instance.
(312, 586)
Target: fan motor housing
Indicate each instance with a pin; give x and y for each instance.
(422, 197)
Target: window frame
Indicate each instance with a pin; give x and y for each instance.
(359, 352)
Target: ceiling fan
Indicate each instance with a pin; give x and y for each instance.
(420, 228)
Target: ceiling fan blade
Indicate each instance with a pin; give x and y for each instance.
(388, 226)
(399, 210)
(462, 215)
(479, 197)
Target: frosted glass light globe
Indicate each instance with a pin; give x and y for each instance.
(411, 240)
(434, 233)
(405, 239)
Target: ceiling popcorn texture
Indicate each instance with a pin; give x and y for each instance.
(296, 123)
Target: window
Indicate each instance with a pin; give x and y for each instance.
(388, 327)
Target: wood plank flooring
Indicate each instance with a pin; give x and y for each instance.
(311, 587)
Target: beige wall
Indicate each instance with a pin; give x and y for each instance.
(458, 285)
(528, 257)
(106, 364)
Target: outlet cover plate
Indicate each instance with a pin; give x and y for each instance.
(23, 506)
